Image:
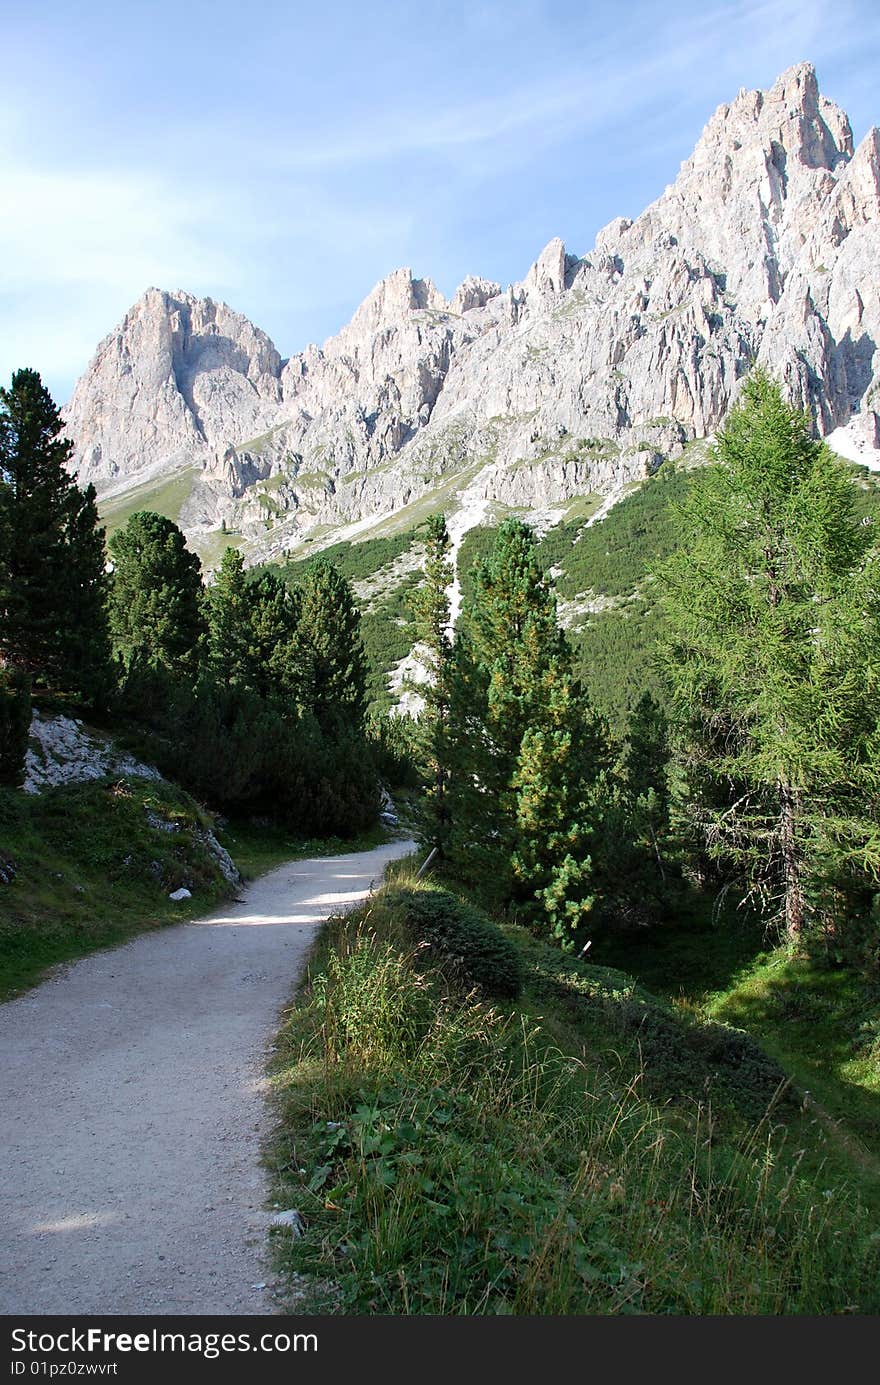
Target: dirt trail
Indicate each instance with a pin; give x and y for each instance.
(132, 1109)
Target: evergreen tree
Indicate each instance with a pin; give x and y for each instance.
(156, 610)
(86, 642)
(52, 581)
(645, 775)
(433, 638)
(229, 622)
(526, 751)
(559, 788)
(772, 659)
(252, 634)
(328, 648)
(15, 724)
(281, 675)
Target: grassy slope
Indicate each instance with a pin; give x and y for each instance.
(821, 1024)
(164, 496)
(583, 1150)
(90, 870)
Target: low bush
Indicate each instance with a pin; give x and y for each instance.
(460, 939)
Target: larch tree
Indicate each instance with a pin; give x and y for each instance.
(772, 658)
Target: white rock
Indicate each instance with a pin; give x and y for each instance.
(180, 894)
(291, 1219)
(63, 751)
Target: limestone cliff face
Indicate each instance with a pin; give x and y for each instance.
(766, 247)
(177, 378)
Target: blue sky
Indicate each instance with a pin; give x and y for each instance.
(284, 157)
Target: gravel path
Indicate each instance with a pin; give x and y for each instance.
(133, 1113)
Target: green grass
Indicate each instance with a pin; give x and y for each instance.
(163, 496)
(91, 870)
(820, 1023)
(585, 1150)
(823, 1024)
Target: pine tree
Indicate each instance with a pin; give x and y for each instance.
(229, 622)
(252, 629)
(280, 672)
(772, 659)
(526, 751)
(52, 581)
(86, 643)
(156, 609)
(328, 648)
(433, 640)
(645, 775)
(15, 724)
(559, 787)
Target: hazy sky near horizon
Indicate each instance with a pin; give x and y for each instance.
(284, 157)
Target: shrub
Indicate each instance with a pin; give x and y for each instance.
(461, 939)
(15, 722)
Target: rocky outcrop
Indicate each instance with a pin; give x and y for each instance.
(178, 379)
(62, 751)
(579, 378)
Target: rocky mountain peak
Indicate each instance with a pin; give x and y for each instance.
(579, 378)
(547, 274)
(393, 299)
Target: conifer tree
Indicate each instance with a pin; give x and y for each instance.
(86, 641)
(645, 775)
(328, 648)
(229, 622)
(52, 581)
(280, 672)
(771, 657)
(559, 786)
(15, 724)
(252, 628)
(433, 640)
(156, 609)
(526, 751)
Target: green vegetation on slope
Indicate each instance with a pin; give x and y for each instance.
(165, 496)
(355, 560)
(610, 563)
(386, 625)
(583, 1150)
(820, 1022)
(91, 866)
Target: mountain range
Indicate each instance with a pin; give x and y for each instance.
(578, 380)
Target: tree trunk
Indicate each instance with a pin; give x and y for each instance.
(795, 902)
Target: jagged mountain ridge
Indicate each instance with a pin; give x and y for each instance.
(766, 247)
